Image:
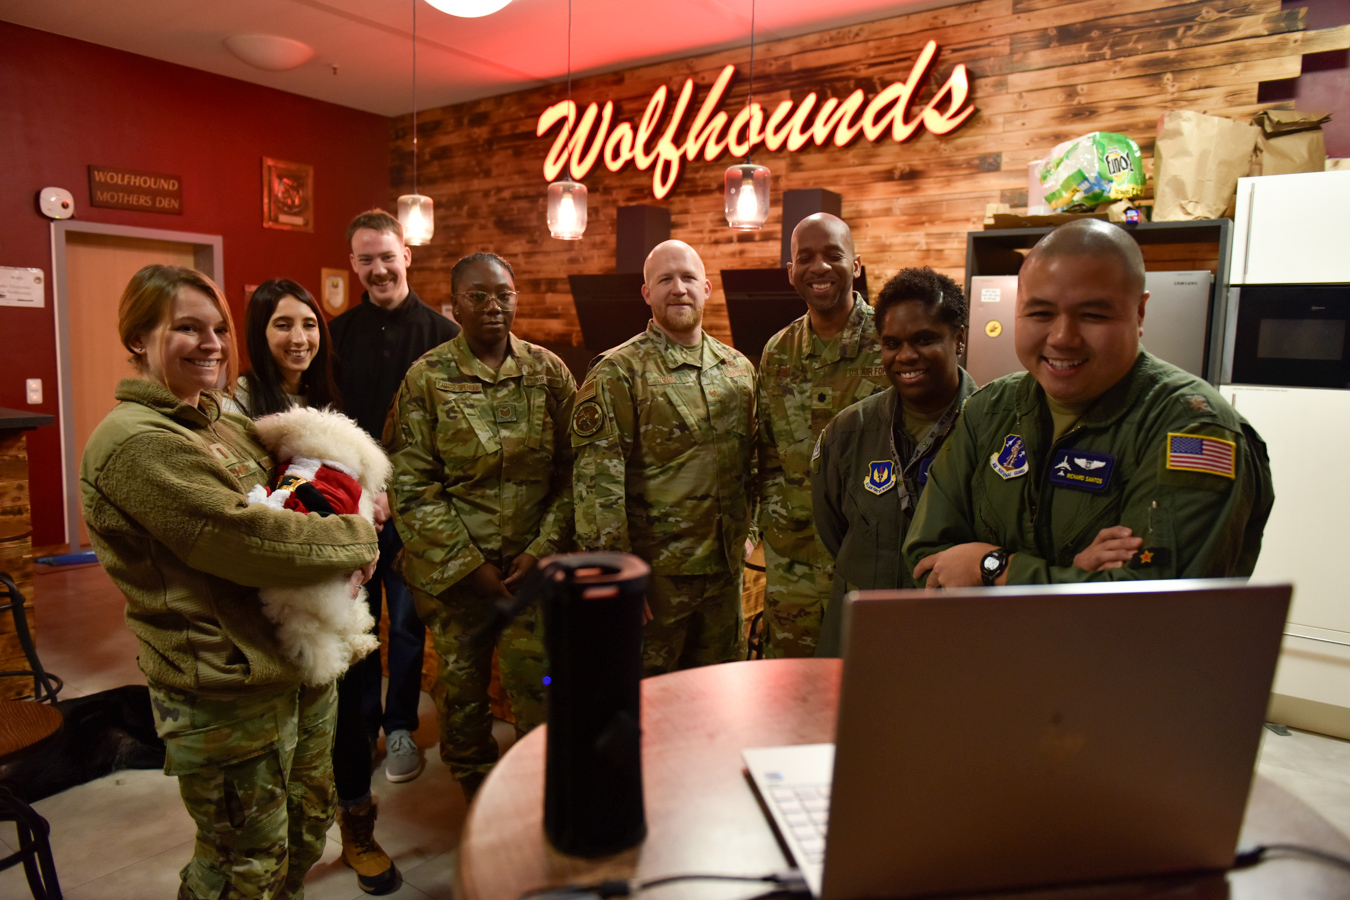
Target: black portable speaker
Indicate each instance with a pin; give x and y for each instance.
(593, 636)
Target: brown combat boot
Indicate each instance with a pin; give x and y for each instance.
(375, 871)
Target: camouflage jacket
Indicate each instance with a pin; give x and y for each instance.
(664, 468)
(482, 465)
(800, 391)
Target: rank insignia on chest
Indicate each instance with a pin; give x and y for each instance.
(588, 418)
(1011, 461)
(1081, 469)
(223, 453)
(880, 476)
(506, 413)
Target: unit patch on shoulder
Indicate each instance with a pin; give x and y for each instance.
(815, 453)
(588, 418)
(880, 476)
(1011, 460)
(1081, 469)
(1201, 453)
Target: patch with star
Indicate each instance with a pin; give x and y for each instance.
(880, 476)
(1011, 460)
(1150, 558)
(924, 466)
(1082, 470)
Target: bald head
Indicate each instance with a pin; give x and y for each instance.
(671, 252)
(1093, 237)
(830, 226)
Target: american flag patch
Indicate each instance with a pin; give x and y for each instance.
(1199, 453)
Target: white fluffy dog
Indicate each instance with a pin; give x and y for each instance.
(329, 465)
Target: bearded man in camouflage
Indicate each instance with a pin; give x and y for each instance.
(824, 361)
(482, 487)
(663, 430)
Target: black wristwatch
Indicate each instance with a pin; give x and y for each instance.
(993, 564)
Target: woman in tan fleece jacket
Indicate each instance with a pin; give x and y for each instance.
(164, 481)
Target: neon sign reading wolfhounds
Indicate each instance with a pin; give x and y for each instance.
(576, 149)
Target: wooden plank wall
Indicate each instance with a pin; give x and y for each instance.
(16, 556)
(1042, 71)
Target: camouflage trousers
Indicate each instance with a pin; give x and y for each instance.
(697, 621)
(795, 596)
(256, 775)
(463, 708)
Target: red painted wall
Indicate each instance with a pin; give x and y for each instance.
(65, 104)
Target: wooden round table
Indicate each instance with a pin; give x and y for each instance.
(24, 726)
(703, 815)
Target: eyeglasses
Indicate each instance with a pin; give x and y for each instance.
(479, 299)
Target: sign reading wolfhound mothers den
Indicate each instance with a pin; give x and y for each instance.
(790, 125)
(144, 191)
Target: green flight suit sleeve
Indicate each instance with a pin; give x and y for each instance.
(945, 511)
(1194, 524)
(557, 526)
(604, 421)
(438, 550)
(827, 493)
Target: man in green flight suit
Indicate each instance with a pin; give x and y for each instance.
(1101, 462)
(482, 487)
(824, 361)
(664, 428)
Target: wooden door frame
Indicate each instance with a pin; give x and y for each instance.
(208, 253)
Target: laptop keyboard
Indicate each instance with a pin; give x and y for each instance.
(806, 810)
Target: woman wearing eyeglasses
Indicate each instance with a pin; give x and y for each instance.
(482, 488)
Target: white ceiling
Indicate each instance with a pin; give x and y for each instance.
(363, 48)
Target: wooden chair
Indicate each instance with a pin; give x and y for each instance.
(25, 727)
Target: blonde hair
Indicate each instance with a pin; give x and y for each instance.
(148, 299)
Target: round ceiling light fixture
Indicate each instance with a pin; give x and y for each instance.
(469, 9)
(269, 52)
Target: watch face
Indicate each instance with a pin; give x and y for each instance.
(990, 563)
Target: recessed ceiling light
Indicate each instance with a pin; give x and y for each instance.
(469, 9)
(269, 51)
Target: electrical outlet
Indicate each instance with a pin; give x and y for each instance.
(34, 386)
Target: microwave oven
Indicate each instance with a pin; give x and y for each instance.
(1291, 335)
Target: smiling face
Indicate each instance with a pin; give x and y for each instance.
(293, 336)
(1079, 320)
(676, 288)
(823, 263)
(487, 325)
(920, 355)
(380, 261)
(188, 349)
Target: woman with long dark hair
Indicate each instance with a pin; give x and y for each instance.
(288, 349)
(292, 365)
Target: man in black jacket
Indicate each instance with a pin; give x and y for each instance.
(375, 344)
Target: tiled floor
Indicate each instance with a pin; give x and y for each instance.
(124, 837)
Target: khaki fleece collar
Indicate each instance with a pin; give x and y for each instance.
(843, 345)
(1105, 410)
(159, 398)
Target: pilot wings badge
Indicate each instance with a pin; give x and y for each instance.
(880, 476)
(1082, 469)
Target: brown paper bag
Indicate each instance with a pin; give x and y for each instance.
(1196, 164)
(1290, 141)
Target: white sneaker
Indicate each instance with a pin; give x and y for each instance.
(402, 761)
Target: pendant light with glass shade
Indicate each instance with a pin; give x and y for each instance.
(415, 212)
(567, 198)
(746, 184)
(469, 9)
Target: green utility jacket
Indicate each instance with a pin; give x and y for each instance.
(800, 391)
(1160, 453)
(663, 436)
(164, 487)
(482, 463)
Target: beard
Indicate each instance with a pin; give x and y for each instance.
(681, 318)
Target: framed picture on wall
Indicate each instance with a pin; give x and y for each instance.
(334, 290)
(288, 195)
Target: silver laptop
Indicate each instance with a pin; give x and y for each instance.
(1006, 738)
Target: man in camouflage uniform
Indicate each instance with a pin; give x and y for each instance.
(664, 430)
(824, 361)
(482, 488)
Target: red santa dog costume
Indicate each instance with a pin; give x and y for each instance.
(330, 466)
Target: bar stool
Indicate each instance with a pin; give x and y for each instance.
(26, 726)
